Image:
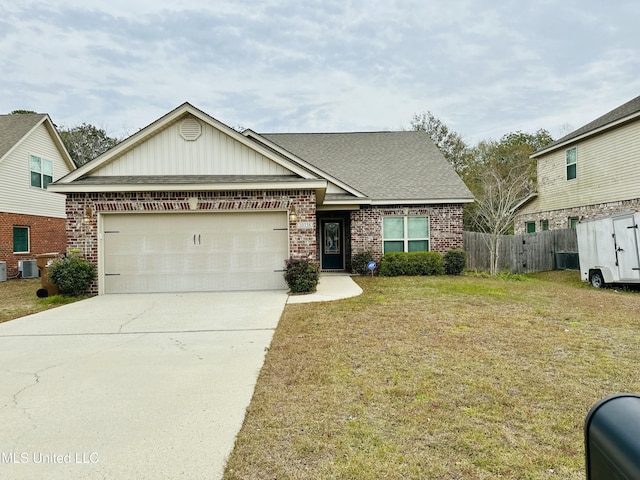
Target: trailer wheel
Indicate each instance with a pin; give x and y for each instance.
(596, 279)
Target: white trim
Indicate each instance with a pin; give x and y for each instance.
(256, 136)
(405, 226)
(422, 202)
(588, 134)
(53, 133)
(524, 201)
(164, 122)
(310, 184)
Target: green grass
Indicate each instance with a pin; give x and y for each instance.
(18, 298)
(440, 378)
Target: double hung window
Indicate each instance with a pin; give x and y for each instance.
(405, 234)
(41, 172)
(572, 162)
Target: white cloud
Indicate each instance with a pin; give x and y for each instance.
(485, 67)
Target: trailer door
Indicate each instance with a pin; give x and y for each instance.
(626, 246)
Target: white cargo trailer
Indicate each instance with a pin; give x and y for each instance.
(609, 249)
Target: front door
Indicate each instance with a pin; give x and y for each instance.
(332, 253)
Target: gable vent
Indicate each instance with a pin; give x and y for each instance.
(190, 129)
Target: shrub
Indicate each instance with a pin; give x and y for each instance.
(72, 275)
(301, 275)
(454, 261)
(411, 263)
(360, 261)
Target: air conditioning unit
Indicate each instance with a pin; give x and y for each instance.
(3, 271)
(28, 268)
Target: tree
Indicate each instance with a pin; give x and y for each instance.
(501, 176)
(85, 142)
(450, 143)
(497, 190)
(21, 112)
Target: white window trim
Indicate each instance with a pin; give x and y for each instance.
(41, 172)
(406, 239)
(575, 162)
(28, 238)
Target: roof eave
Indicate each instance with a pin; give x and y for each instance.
(164, 122)
(318, 185)
(588, 134)
(524, 201)
(256, 137)
(422, 201)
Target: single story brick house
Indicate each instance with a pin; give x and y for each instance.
(190, 204)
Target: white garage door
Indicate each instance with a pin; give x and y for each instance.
(190, 252)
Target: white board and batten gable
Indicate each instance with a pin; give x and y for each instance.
(187, 142)
(190, 146)
(18, 195)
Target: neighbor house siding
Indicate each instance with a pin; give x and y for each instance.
(605, 182)
(84, 210)
(18, 196)
(445, 226)
(213, 153)
(606, 167)
(46, 235)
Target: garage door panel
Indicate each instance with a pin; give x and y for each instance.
(194, 251)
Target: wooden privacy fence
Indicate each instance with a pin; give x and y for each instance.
(526, 253)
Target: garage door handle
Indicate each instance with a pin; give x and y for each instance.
(194, 238)
(199, 239)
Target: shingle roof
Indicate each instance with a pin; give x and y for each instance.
(14, 127)
(382, 165)
(615, 115)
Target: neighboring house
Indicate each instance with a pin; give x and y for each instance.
(190, 204)
(32, 219)
(589, 173)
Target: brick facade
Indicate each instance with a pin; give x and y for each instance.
(83, 210)
(46, 235)
(364, 226)
(559, 219)
(445, 226)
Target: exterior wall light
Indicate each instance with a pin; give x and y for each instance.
(88, 213)
(293, 214)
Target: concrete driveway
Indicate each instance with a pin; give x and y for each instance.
(131, 386)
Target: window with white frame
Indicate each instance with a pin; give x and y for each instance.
(572, 162)
(405, 234)
(41, 172)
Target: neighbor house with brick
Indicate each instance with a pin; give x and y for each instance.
(32, 219)
(190, 204)
(589, 173)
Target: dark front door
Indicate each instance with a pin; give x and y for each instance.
(332, 253)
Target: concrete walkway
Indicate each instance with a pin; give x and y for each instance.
(332, 286)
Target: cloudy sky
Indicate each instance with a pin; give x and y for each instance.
(485, 67)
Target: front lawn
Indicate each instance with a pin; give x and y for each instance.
(18, 298)
(440, 378)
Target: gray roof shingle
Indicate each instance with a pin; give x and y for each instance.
(14, 127)
(619, 113)
(384, 166)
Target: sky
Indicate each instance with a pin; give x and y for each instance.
(484, 67)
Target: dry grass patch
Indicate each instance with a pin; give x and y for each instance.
(439, 378)
(18, 298)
